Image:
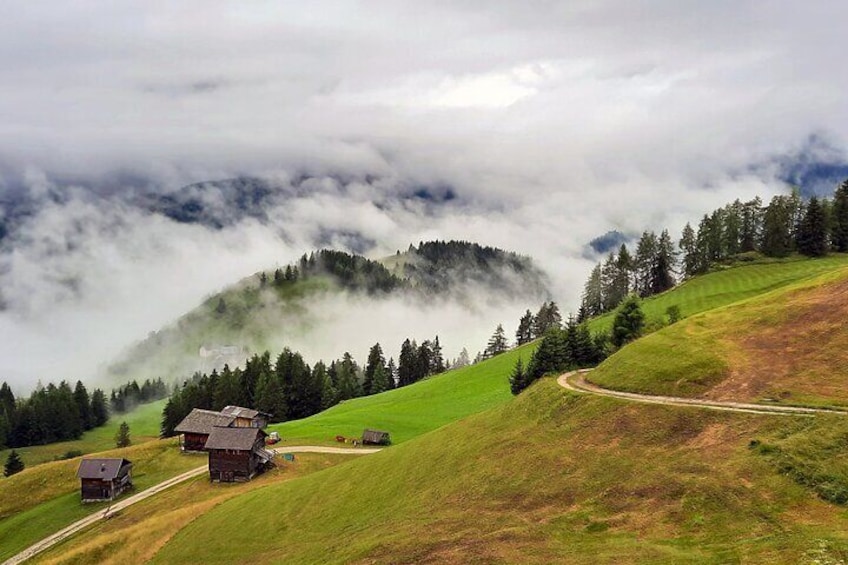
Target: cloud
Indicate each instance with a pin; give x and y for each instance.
(549, 123)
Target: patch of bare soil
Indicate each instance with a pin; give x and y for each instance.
(801, 355)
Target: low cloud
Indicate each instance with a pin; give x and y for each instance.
(549, 124)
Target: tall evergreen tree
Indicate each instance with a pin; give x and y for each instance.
(688, 246)
(122, 438)
(546, 318)
(348, 378)
(329, 394)
(518, 377)
(646, 257)
(438, 363)
(751, 227)
(270, 397)
(406, 363)
(497, 343)
(593, 294)
(777, 228)
(840, 218)
(83, 403)
(812, 234)
(524, 333)
(14, 464)
(376, 362)
(662, 278)
(99, 412)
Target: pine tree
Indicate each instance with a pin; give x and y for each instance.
(14, 464)
(376, 362)
(99, 413)
(750, 232)
(840, 218)
(593, 294)
(463, 360)
(812, 233)
(438, 362)
(122, 438)
(83, 404)
(406, 363)
(270, 397)
(777, 228)
(661, 278)
(329, 394)
(628, 323)
(348, 378)
(497, 343)
(517, 378)
(688, 246)
(646, 257)
(524, 333)
(546, 318)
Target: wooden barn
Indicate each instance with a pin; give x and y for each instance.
(195, 428)
(375, 437)
(247, 417)
(237, 454)
(104, 479)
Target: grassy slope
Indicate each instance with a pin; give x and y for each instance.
(137, 532)
(788, 345)
(144, 424)
(410, 411)
(43, 499)
(550, 477)
(731, 285)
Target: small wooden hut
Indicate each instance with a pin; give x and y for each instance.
(196, 427)
(247, 417)
(237, 454)
(375, 437)
(104, 479)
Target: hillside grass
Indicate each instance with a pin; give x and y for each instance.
(728, 285)
(789, 345)
(144, 422)
(550, 477)
(136, 533)
(43, 499)
(410, 411)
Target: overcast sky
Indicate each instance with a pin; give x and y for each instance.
(552, 121)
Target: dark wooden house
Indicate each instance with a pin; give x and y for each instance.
(237, 454)
(375, 437)
(247, 417)
(104, 479)
(195, 428)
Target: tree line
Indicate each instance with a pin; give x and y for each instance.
(289, 389)
(56, 413)
(737, 231)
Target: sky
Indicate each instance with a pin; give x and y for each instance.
(551, 122)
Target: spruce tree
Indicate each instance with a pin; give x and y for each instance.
(14, 464)
(688, 246)
(122, 438)
(593, 294)
(646, 256)
(840, 218)
(517, 379)
(376, 362)
(812, 232)
(83, 403)
(497, 343)
(438, 362)
(99, 412)
(524, 333)
(406, 363)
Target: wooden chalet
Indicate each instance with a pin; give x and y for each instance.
(375, 437)
(104, 479)
(237, 453)
(247, 417)
(195, 428)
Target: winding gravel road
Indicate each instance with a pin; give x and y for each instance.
(576, 381)
(122, 503)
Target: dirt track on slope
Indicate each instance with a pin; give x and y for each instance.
(576, 381)
(67, 532)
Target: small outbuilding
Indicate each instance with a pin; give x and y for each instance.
(104, 479)
(195, 428)
(237, 454)
(375, 437)
(246, 417)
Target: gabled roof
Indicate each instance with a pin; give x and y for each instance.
(104, 469)
(239, 439)
(240, 412)
(201, 421)
(374, 435)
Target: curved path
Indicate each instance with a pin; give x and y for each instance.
(122, 503)
(576, 381)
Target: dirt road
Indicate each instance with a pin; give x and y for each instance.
(65, 533)
(576, 381)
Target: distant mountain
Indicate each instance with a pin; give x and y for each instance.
(251, 315)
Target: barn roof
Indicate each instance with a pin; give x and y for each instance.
(374, 435)
(240, 412)
(240, 439)
(201, 421)
(104, 469)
